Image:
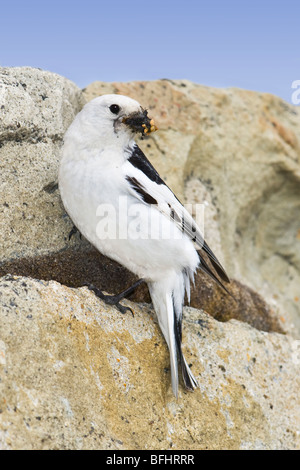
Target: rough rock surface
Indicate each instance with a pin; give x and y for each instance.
(36, 109)
(75, 267)
(35, 229)
(65, 357)
(77, 374)
(240, 152)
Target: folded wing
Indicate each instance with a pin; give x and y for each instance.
(144, 183)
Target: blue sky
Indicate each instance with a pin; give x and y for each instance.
(247, 44)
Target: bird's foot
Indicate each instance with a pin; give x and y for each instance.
(110, 299)
(73, 231)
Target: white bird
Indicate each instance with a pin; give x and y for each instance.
(101, 163)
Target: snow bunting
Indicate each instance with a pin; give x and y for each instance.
(118, 202)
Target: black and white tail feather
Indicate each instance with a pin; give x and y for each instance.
(168, 299)
(178, 300)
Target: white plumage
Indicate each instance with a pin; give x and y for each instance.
(101, 164)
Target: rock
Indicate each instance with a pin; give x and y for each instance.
(240, 149)
(77, 374)
(36, 228)
(77, 267)
(36, 109)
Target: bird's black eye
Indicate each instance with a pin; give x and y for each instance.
(115, 108)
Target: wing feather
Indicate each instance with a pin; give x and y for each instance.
(144, 183)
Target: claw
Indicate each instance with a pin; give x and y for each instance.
(123, 309)
(73, 231)
(109, 299)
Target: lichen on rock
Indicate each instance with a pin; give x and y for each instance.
(75, 373)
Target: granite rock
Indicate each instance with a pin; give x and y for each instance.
(77, 374)
(237, 152)
(36, 109)
(38, 106)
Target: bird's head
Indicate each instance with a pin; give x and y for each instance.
(115, 116)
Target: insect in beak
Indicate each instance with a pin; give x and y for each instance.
(140, 122)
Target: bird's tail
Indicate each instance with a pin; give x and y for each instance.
(168, 297)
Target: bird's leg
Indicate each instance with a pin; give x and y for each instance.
(115, 299)
(73, 231)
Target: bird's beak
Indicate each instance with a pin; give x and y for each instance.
(140, 122)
